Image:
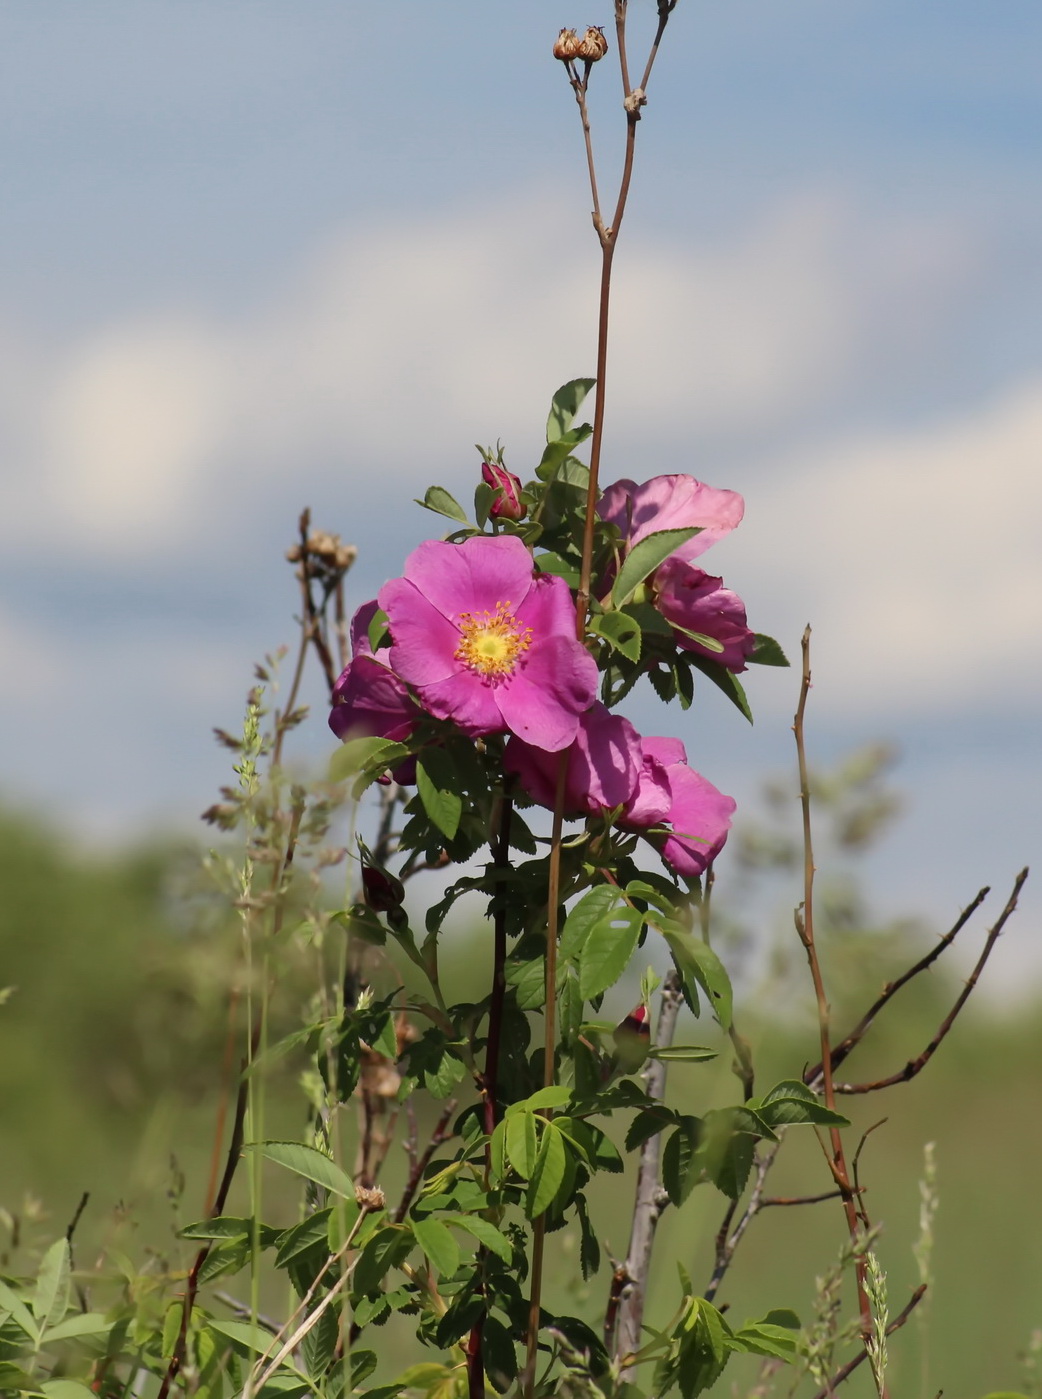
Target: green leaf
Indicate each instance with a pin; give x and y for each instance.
(67, 1389)
(586, 914)
(387, 1248)
(696, 960)
(564, 407)
(20, 1313)
(620, 631)
(792, 1103)
(484, 495)
(521, 1143)
(645, 557)
(438, 499)
(560, 567)
(723, 679)
(425, 1375)
(554, 1095)
(435, 775)
(220, 1227)
(12, 1377)
(680, 1168)
(589, 1245)
(529, 982)
(244, 1335)
(683, 1053)
(172, 1322)
(79, 1324)
(364, 759)
(760, 1338)
(767, 652)
(484, 1231)
(438, 1244)
(306, 1161)
(51, 1298)
(549, 1173)
(647, 1124)
(558, 453)
(299, 1238)
(607, 950)
(498, 1150)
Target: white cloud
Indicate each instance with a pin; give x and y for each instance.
(409, 341)
(916, 558)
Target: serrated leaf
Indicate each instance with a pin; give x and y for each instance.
(645, 557)
(680, 1169)
(560, 567)
(441, 502)
(522, 1145)
(438, 1244)
(20, 1313)
(554, 1095)
(647, 1124)
(620, 631)
(548, 1174)
(484, 1231)
(79, 1324)
(364, 759)
(220, 1227)
(607, 950)
(556, 454)
(299, 1238)
(51, 1297)
(565, 405)
(387, 1248)
(434, 780)
(586, 914)
(696, 960)
(760, 1338)
(589, 1245)
(529, 982)
(791, 1103)
(306, 1161)
(766, 652)
(725, 680)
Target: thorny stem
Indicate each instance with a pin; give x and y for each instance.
(651, 1199)
(804, 919)
(501, 860)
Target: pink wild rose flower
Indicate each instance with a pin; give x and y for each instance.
(604, 764)
(671, 502)
(698, 816)
(693, 601)
(488, 644)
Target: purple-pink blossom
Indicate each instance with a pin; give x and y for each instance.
(692, 832)
(369, 701)
(603, 765)
(671, 502)
(694, 601)
(488, 644)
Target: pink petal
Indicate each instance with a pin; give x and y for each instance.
(425, 643)
(541, 702)
(471, 577)
(466, 699)
(666, 751)
(696, 601)
(549, 608)
(701, 817)
(672, 502)
(651, 802)
(603, 764)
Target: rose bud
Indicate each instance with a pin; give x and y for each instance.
(567, 45)
(383, 893)
(593, 45)
(632, 1038)
(507, 504)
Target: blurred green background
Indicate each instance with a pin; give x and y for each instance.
(113, 1031)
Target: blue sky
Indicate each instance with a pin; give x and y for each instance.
(260, 255)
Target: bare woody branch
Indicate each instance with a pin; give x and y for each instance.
(857, 1034)
(915, 1066)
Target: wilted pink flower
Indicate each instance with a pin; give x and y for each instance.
(507, 504)
(488, 644)
(693, 601)
(671, 502)
(699, 816)
(603, 765)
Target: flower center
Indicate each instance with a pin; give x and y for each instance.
(491, 642)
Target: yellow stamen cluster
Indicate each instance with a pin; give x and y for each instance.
(491, 642)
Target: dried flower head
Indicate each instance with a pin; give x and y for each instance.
(593, 45)
(369, 1197)
(567, 46)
